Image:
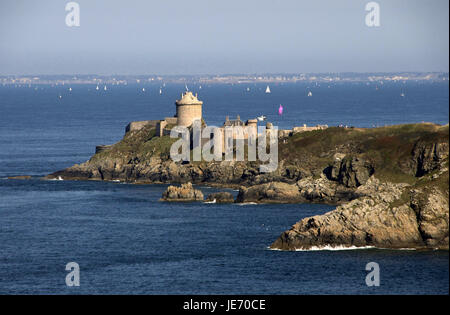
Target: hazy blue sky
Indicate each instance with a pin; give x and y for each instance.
(228, 36)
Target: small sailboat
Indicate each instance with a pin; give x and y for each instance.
(261, 118)
(143, 89)
(268, 90)
(402, 95)
(160, 91)
(248, 89)
(97, 88)
(309, 93)
(70, 89)
(280, 110)
(105, 88)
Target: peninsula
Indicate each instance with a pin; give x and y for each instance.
(390, 184)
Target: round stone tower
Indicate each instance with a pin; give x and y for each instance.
(189, 108)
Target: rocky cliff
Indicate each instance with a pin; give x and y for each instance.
(385, 216)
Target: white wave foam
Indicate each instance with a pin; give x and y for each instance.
(333, 248)
(340, 248)
(411, 249)
(58, 178)
(327, 247)
(247, 203)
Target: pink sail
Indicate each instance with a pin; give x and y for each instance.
(280, 110)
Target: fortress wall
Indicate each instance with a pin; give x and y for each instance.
(186, 114)
(305, 128)
(287, 132)
(138, 125)
(284, 133)
(171, 120)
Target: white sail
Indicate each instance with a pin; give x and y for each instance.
(267, 89)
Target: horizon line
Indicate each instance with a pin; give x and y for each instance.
(229, 74)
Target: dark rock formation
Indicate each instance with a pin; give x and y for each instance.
(350, 171)
(428, 157)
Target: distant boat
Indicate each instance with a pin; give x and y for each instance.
(200, 87)
(261, 118)
(248, 89)
(160, 91)
(309, 93)
(70, 89)
(143, 89)
(97, 88)
(267, 90)
(105, 88)
(280, 110)
(402, 95)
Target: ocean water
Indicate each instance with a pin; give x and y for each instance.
(125, 241)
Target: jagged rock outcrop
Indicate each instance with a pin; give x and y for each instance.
(220, 197)
(308, 189)
(185, 192)
(376, 219)
(433, 220)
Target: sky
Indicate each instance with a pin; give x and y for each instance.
(219, 37)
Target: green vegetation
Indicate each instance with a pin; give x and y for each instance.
(388, 149)
(142, 144)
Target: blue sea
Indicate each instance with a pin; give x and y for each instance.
(126, 242)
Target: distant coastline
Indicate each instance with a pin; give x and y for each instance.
(225, 78)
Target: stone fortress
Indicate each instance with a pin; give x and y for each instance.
(189, 109)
